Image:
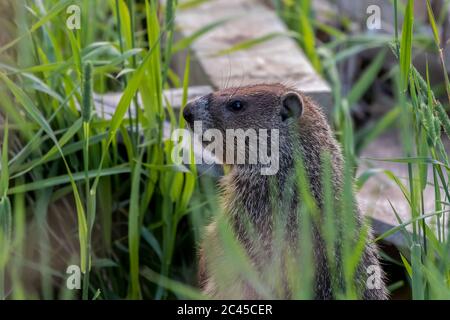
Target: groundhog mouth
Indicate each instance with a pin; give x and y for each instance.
(258, 149)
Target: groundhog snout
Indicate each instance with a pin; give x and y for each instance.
(187, 114)
(195, 110)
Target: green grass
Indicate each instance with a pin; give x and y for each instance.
(422, 122)
(137, 218)
(111, 188)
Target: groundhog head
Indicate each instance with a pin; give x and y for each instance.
(267, 106)
(248, 125)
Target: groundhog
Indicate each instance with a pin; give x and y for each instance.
(249, 199)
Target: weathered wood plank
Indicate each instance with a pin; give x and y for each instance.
(105, 104)
(276, 60)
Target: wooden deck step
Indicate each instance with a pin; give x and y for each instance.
(277, 60)
(106, 103)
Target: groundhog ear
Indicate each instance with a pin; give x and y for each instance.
(291, 106)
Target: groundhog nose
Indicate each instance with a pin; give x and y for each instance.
(187, 113)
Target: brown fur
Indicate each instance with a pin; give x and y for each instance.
(246, 196)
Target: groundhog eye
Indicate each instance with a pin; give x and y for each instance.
(236, 105)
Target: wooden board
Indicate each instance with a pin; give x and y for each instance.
(105, 104)
(277, 60)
